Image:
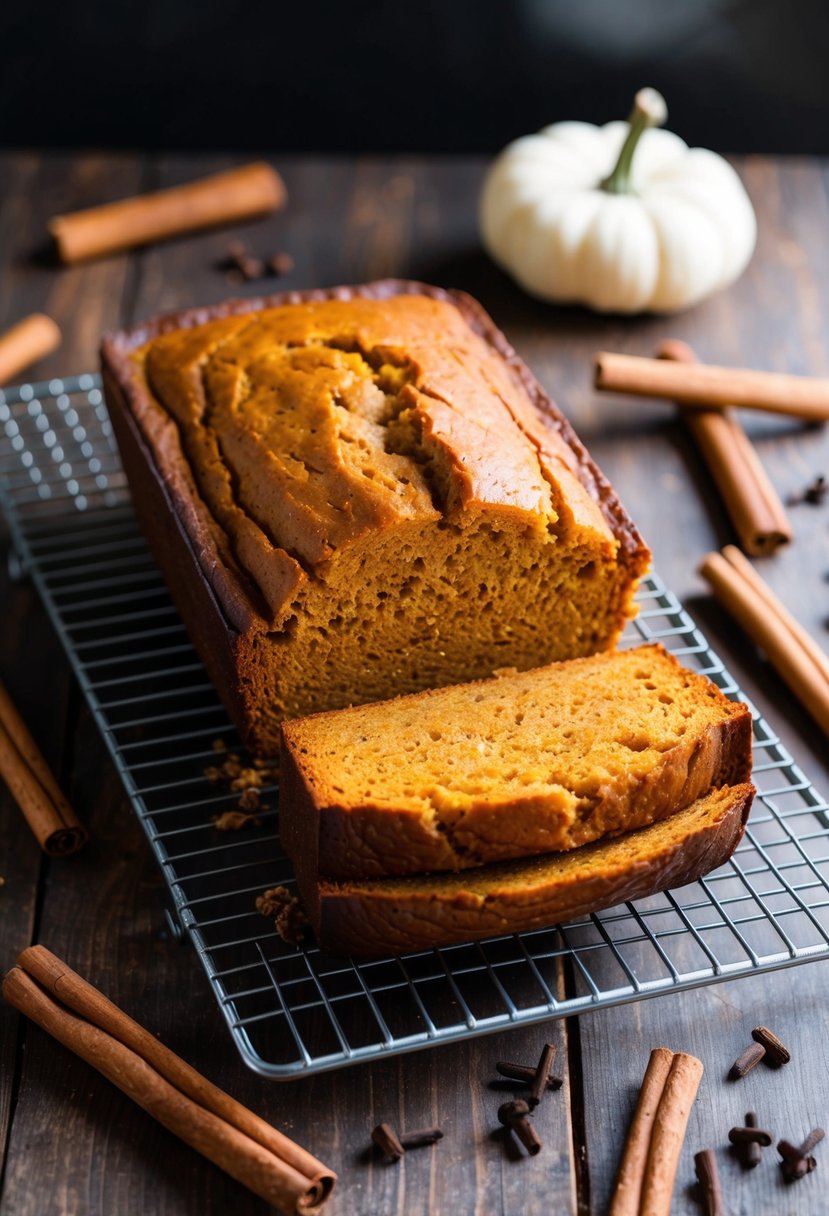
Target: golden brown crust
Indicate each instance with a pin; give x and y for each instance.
(493, 770)
(391, 916)
(231, 585)
(236, 585)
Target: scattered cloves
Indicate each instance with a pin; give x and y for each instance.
(538, 1086)
(705, 1166)
(386, 1139)
(795, 1164)
(280, 264)
(814, 493)
(749, 1059)
(514, 1116)
(523, 1073)
(750, 1152)
(750, 1135)
(814, 1137)
(243, 265)
(776, 1052)
(422, 1138)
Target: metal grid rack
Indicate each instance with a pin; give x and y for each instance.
(295, 1011)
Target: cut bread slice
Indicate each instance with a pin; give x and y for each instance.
(377, 917)
(521, 764)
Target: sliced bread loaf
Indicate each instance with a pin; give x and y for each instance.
(389, 916)
(525, 763)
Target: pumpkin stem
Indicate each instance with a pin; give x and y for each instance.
(649, 110)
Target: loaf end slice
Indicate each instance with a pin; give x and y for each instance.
(527, 763)
(378, 917)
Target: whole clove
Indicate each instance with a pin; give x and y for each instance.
(750, 1152)
(705, 1167)
(523, 1073)
(250, 267)
(538, 1085)
(749, 1059)
(279, 264)
(814, 1137)
(814, 493)
(776, 1052)
(750, 1135)
(795, 1164)
(386, 1139)
(514, 1116)
(422, 1138)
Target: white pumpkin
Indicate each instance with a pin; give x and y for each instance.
(621, 217)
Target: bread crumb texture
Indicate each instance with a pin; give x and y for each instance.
(525, 763)
(389, 499)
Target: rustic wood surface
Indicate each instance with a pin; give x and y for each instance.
(73, 1144)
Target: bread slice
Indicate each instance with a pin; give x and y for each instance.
(390, 916)
(526, 763)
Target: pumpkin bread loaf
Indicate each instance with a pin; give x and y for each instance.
(362, 492)
(376, 917)
(526, 763)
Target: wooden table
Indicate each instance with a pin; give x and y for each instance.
(72, 1143)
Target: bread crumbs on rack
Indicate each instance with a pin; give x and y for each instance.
(239, 777)
(232, 821)
(290, 921)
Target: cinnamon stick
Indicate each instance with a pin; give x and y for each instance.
(90, 1004)
(755, 607)
(237, 1154)
(236, 194)
(668, 1133)
(29, 340)
(750, 498)
(30, 781)
(762, 590)
(706, 386)
(630, 1178)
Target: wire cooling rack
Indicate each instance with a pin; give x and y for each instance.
(296, 1011)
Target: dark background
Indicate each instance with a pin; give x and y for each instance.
(439, 75)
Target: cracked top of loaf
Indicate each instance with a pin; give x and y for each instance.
(292, 427)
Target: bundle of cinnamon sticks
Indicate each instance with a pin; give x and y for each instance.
(645, 1181)
(181, 1099)
(705, 394)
